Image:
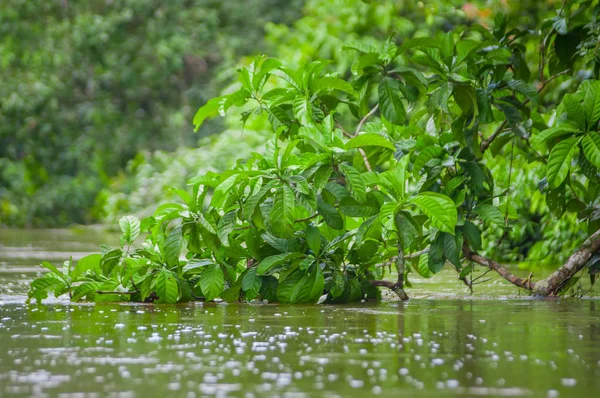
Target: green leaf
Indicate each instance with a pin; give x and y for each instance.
(490, 214)
(85, 289)
(355, 182)
(206, 224)
(575, 112)
(212, 281)
(91, 262)
(352, 208)
(407, 229)
(110, 260)
(331, 215)
(303, 110)
(591, 101)
(130, 227)
(591, 147)
(282, 212)
(390, 101)
(275, 260)
(423, 266)
(435, 260)
(251, 284)
(559, 161)
(370, 139)
(254, 200)
(210, 109)
(440, 209)
(523, 88)
(551, 133)
(167, 288)
(173, 246)
(268, 289)
(222, 191)
(428, 153)
(258, 80)
(452, 249)
(472, 234)
(301, 288)
(313, 238)
(226, 226)
(53, 269)
(196, 266)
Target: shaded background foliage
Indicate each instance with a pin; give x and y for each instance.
(92, 89)
(86, 85)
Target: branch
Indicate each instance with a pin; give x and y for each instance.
(364, 119)
(101, 292)
(502, 270)
(552, 284)
(487, 142)
(393, 287)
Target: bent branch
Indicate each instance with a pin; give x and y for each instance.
(552, 284)
(503, 271)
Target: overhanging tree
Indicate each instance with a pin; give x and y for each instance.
(386, 166)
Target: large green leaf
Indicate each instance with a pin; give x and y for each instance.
(85, 289)
(251, 284)
(435, 260)
(428, 153)
(130, 227)
(591, 101)
(390, 101)
(313, 238)
(473, 235)
(355, 182)
(282, 212)
(226, 226)
(352, 208)
(490, 214)
(210, 109)
(575, 112)
(253, 201)
(331, 215)
(173, 246)
(559, 161)
(90, 262)
(222, 191)
(440, 209)
(275, 260)
(370, 139)
(301, 288)
(212, 281)
(167, 288)
(591, 147)
(452, 248)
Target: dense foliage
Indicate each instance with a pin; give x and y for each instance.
(339, 192)
(86, 85)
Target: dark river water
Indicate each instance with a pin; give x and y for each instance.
(442, 342)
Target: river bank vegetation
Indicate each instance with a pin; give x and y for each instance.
(401, 137)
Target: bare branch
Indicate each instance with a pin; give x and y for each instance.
(364, 119)
(502, 270)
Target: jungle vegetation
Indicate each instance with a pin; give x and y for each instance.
(440, 145)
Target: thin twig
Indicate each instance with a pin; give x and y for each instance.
(364, 119)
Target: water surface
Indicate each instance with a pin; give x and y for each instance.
(441, 343)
